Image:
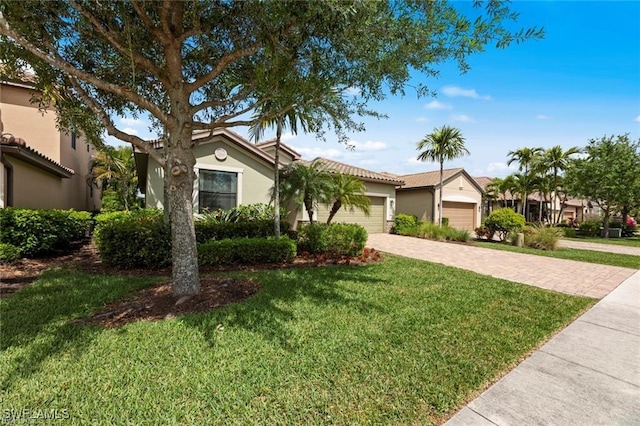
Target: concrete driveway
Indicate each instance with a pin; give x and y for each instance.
(566, 276)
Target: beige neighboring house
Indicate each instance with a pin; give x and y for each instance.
(41, 167)
(461, 197)
(231, 171)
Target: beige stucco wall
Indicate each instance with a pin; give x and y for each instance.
(283, 157)
(255, 176)
(29, 180)
(24, 120)
(417, 202)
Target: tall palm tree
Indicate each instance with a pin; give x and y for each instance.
(348, 191)
(555, 160)
(303, 184)
(444, 144)
(526, 157)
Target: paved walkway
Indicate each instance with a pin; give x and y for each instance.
(583, 245)
(566, 276)
(588, 374)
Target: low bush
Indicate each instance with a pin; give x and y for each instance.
(339, 239)
(246, 251)
(590, 228)
(132, 239)
(211, 230)
(432, 231)
(9, 253)
(403, 222)
(503, 221)
(542, 237)
(40, 232)
(483, 232)
(569, 232)
(244, 213)
(445, 221)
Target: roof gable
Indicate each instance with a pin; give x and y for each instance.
(19, 149)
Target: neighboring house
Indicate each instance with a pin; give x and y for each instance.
(461, 197)
(40, 166)
(231, 171)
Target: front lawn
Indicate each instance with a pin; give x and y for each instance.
(627, 241)
(402, 342)
(590, 256)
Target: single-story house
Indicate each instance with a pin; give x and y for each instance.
(231, 171)
(461, 197)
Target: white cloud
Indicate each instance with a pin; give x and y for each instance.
(368, 145)
(370, 162)
(455, 91)
(422, 120)
(413, 160)
(437, 105)
(130, 130)
(130, 121)
(637, 119)
(287, 136)
(497, 168)
(463, 118)
(311, 153)
(352, 91)
(542, 117)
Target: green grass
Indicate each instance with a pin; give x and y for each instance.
(628, 241)
(590, 256)
(399, 342)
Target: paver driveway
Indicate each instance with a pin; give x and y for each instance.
(566, 276)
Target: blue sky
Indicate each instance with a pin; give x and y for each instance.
(581, 81)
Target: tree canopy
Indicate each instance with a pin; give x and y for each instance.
(204, 65)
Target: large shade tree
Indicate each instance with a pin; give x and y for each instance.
(204, 64)
(609, 174)
(443, 144)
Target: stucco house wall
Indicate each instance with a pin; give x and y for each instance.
(417, 202)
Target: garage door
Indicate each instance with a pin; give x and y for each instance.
(373, 224)
(460, 215)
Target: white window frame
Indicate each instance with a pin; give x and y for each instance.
(215, 168)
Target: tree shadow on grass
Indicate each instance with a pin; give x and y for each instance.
(282, 299)
(37, 323)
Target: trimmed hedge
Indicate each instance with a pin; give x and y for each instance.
(40, 232)
(338, 239)
(138, 238)
(9, 253)
(503, 221)
(209, 230)
(246, 251)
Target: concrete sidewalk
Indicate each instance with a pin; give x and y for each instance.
(588, 374)
(609, 248)
(566, 276)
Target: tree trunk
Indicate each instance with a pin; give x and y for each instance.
(440, 209)
(334, 209)
(181, 161)
(308, 206)
(276, 183)
(605, 223)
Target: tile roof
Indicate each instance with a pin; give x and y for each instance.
(483, 181)
(427, 179)
(19, 147)
(267, 144)
(364, 174)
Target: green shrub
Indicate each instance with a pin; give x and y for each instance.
(9, 253)
(337, 238)
(569, 232)
(345, 239)
(403, 220)
(432, 231)
(246, 251)
(445, 221)
(590, 228)
(137, 238)
(211, 230)
(39, 232)
(244, 213)
(542, 237)
(503, 221)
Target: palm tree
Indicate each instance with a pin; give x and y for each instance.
(555, 160)
(303, 184)
(348, 191)
(114, 169)
(526, 157)
(445, 143)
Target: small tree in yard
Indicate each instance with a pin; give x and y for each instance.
(204, 65)
(608, 175)
(305, 184)
(503, 221)
(346, 191)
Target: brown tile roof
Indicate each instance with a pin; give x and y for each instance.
(483, 181)
(284, 147)
(427, 179)
(18, 147)
(364, 174)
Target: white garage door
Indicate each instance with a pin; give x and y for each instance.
(374, 223)
(460, 215)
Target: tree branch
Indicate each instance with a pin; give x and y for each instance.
(56, 61)
(114, 39)
(112, 130)
(222, 63)
(147, 21)
(217, 103)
